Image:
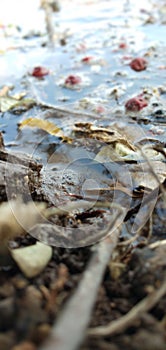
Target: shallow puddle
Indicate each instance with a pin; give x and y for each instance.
(97, 47)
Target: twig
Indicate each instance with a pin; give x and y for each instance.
(49, 21)
(126, 321)
(70, 329)
(157, 244)
(128, 241)
(150, 230)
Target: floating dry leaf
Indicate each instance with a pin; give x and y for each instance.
(45, 125)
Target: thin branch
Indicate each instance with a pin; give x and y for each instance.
(157, 244)
(49, 21)
(129, 241)
(121, 324)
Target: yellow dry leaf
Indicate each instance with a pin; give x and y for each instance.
(45, 125)
(51, 128)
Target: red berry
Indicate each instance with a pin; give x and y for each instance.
(39, 72)
(73, 80)
(135, 104)
(122, 46)
(138, 64)
(87, 59)
(100, 109)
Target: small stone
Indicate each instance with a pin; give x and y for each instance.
(33, 259)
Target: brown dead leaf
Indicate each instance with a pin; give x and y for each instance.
(107, 135)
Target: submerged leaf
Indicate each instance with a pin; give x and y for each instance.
(122, 152)
(142, 175)
(41, 124)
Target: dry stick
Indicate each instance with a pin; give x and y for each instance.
(133, 239)
(126, 321)
(71, 326)
(49, 21)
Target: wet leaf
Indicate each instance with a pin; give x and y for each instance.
(118, 152)
(122, 152)
(142, 175)
(49, 127)
(107, 135)
(8, 103)
(140, 171)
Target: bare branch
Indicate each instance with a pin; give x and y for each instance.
(126, 321)
(47, 7)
